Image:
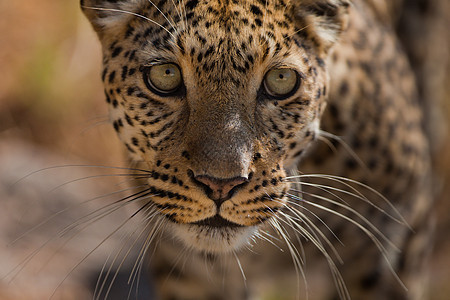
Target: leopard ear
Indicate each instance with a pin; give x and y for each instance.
(107, 14)
(322, 20)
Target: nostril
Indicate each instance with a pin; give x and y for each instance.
(219, 189)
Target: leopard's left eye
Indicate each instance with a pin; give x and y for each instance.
(281, 83)
(163, 79)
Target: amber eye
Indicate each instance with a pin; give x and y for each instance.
(281, 83)
(164, 79)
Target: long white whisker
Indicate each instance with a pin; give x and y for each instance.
(327, 142)
(158, 229)
(240, 268)
(112, 207)
(299, 216)
(262, 235)
(130, 13)
(165, 17)
(92, 219)
(146, 245)
(337, 278)
(178, 11)
(98, 288)
(327, 189)
(290, 203)
(302, 256)
(374, 239)
(293, 251)
(359, 215)
(344, 181)
(183, 6)
(128, 252)
(78, 166)
(98, 246)
(346, 147)
(134, 176)
(54, 215)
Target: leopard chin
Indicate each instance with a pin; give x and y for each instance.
(214, 235)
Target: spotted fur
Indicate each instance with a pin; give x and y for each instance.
(354, 82)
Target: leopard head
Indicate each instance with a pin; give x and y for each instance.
(218, 99)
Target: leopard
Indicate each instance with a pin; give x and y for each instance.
(280, 143)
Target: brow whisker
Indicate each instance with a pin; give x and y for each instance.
(130, 13)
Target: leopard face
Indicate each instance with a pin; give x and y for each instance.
(218, 100)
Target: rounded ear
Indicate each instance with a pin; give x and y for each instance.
(323, 20)
(104, 14)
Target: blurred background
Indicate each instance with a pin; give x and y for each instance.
(52, 113)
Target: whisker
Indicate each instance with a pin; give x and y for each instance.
(130, 13)
(93, 220)
(112, 206)
(165, 17)
(337, 277)
(150, 237)
(126, 254)
(98, 289)
(301, 29)
(178, 12)
(299, 216)
(295, 231)
(312, 236)
(326, 189)
(157, 229)
(132, 278)
(96, 177)
(183, 6)
(240, 268)
(98, 246)
(268, 237)
(77, 166)
(350, 209)
(54, 215)
(293, 251)
(345, 181)
(345, 145)
(369, 234)
(90, 127)
(90, 218)
(327, 142)
(290, 202)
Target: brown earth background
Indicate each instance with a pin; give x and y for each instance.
(52, 106)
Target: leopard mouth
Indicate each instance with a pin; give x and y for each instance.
(217, 222)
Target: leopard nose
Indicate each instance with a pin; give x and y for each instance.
(219, 189)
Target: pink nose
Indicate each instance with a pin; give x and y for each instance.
(217, 189)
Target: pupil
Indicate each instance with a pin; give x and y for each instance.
(281, 76)
(168, 71)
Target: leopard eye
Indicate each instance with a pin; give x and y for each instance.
(164, 79)
(281, 83)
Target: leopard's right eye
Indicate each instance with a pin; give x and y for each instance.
(281, 83)
(163, 79)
